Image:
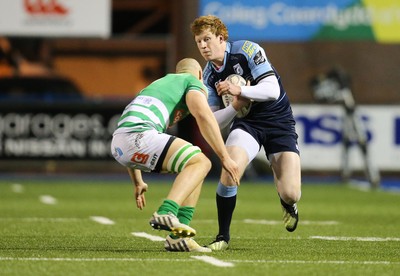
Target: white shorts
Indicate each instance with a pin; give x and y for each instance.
(146, 151)
(139, 150)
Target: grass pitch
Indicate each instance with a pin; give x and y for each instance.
(71, 227)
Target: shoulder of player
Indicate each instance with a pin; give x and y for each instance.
(244, 46)
(193, 91)
(189, 78)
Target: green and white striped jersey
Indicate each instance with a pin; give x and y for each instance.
(159, 105)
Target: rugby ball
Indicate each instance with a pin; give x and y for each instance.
(227, 98)
(236, 80)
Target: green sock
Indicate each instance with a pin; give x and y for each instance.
(168, 206)
(185, 214)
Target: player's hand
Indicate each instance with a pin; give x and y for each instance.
(233, 169)
(239, 102)
(226, 87)
(140, 189)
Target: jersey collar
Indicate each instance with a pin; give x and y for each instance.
(227, 51)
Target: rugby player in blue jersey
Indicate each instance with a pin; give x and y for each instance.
(269, 123)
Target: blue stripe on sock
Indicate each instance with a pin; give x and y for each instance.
(225, 191)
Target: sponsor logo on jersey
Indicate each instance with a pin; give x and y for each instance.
(238, 69)
(154, 159)
(259, 58)
(178, 115)
(138, 140)
(249, 48)
(117, 152)
(140, 158)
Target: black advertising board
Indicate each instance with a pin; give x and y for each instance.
(80, 130)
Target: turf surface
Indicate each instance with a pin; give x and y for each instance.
(49, 227)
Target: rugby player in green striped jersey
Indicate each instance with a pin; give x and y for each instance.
(141, 143)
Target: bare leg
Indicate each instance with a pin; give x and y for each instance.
(287, 175)
(192, 176)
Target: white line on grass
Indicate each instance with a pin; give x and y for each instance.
(213, 261)
(372, 239)
(278, 222)
(339, 262)
(102, 220)
(47, 199)
(17, 188)
(33, 219)
(148, 236)
(38, 259)
(363, 186)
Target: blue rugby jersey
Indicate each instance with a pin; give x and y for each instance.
(249, 60)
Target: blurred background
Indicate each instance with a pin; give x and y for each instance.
(68, 68)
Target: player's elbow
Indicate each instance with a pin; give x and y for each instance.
(275, 93)
(274, 90)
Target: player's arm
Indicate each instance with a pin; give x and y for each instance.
(267, 89)
(224, 116)
(140, 187)
(208, 126)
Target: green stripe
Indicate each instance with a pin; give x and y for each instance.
(187, 158)
(158, 113)
(182, 150)
(153, 109)
(135, 114)
(136, 127)
(127, 124)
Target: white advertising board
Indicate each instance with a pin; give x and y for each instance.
(320, 136)
(55, 18)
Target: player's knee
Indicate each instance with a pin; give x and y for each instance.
(290, 196)
(201, 162)
(205, 162)
(226, 179)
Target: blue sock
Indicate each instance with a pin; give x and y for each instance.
(225, 191)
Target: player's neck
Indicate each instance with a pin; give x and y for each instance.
(218, 63)
(217, 67)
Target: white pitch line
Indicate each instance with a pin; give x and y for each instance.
(48, 199)
(213, 261)
(35, 219)
(102, 220)
(371, 239)
(34, 259)
(148, 236)
(17, 188)
(338, 262)
(276, 222)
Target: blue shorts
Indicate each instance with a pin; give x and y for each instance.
(275, 136)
